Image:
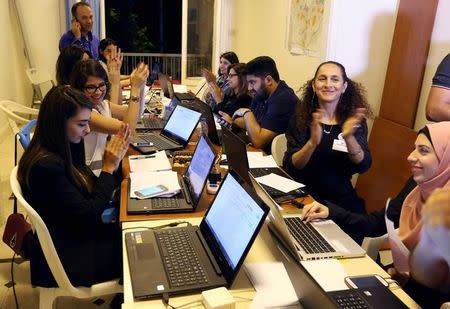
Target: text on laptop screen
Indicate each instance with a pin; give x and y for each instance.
(233, 204)
(199, 168)
(182, 122)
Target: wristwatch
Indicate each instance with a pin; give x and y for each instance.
(134, 99)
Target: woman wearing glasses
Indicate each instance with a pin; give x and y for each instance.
(237, 94)
(107, 117)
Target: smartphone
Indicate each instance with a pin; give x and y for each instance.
(150, 191)
(355, 282)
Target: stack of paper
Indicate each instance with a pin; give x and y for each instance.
(150, 163)
(142, 180)
(280, 183)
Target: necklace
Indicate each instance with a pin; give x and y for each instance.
(329, 131)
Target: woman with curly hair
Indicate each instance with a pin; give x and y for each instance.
(327, 138)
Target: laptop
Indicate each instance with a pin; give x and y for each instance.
(368, 297)
(236, 152)
(308, 241)
(167, 88)
(192, 184)
(174, 136)
(211, 253)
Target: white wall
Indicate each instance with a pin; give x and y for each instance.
(439, 48)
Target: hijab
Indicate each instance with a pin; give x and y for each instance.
(410, 216)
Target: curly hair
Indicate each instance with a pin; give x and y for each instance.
(354, 97)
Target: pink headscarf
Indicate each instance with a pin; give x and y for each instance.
(410, 216)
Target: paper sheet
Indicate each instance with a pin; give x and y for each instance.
(180, 88)
(256, 160)
(399, 251)
(320, 270)
(150, 163)
(279, 182)
(142, 180)
(272, 283)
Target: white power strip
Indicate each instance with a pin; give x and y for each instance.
(219, 298)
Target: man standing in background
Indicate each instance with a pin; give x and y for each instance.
(80, 32)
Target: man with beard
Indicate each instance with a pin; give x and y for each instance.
(272, 106)
(80, 32)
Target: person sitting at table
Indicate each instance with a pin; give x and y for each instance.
(89, 77)
(327, 138)
(430, 168)
(237, 94)
(68, 196)
(218, 86)
(67, 59)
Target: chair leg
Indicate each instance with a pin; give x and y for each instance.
(47, 298)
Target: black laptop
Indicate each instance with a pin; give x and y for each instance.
(192, 184)
(368, 297)
(167, 88)
(191, 259)
(236, 152)
(175, 134)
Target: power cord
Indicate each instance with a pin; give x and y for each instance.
(172, 224)
(13, 282)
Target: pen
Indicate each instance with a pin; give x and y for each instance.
(143, 157)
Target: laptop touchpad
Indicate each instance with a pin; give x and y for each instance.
(145, 251)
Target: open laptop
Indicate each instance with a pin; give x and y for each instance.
(175, 134)
(212, 253)
(236, 152)
(308, 241)
(167, 88)
(192, 184)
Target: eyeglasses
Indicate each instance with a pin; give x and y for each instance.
(230, 75)
(91, 89)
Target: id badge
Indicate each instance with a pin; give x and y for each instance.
(339, 144)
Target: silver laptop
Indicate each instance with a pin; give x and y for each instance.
(308, 241)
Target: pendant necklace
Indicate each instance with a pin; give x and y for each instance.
(329, 131)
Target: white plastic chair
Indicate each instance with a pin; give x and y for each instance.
(16, 113)
(47, 296)
(279, 146)
(38, 79)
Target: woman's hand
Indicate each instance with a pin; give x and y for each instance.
(353, 122)
(401, 278)
(208, 75)
(116, 149)
(226, 118)
(316, 127)
(139, 76)
(315, 210)
(436, 211)
(114, 60)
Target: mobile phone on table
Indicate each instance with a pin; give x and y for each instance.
(150, 191)
(366, 281)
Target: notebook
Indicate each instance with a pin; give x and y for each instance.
(308, 241)
(167, 88)
(175, 134)
(211, 253)
(192, 184)
(236, 152)
(369, 297)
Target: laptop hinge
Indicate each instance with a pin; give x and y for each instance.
(186, 189)
(208, 251)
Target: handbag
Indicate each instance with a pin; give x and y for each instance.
(18, 233)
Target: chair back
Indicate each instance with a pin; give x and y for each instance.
(16, 113)
(25, 133)
(279, 147)
(43, 234)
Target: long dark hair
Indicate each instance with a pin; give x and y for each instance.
(67, 59)
(102, 46)
(239, 68)
(230, 56)
(50, 137)
(353, 98)
(86, 68)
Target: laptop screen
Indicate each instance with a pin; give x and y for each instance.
(198, 170)
(182, 122)
(233, 204)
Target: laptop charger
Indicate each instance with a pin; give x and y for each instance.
(219, 298)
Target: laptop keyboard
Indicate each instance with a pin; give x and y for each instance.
(153, 123)
(349, 299)
(180, 259)
(164, 203)
(307, 237)
(157, 141)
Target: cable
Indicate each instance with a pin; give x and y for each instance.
(166, 301)
(172, 224)
(13, 283)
